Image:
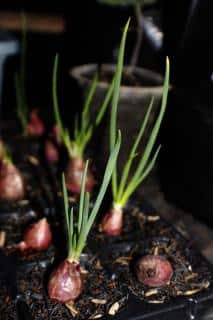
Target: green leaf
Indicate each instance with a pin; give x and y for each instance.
(81, 206)
(66, 210)
(132, 154)
(144, 166)
(105, 104)
(133, 185)
(150, 165)
(55, 97)
(71, 233)
(154, 133)
(77, 236)
(106, 179)
(115, 100)
(90, 95)
(82, 236)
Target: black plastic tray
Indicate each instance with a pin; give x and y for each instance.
(198, 306)
(195, 307)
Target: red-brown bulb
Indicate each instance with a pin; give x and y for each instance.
(66, 282)
(51, 152)
(154, 271)
(12, 184)
(74, 174)
(35, 126)
(38, 236)
(56, 135)
(112, 222)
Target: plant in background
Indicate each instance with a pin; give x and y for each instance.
(83, 131)
(138, 6)
(51, 151)
(30, 122)
(12, 184)
(123, 189)
(66, 281)
(37, 236)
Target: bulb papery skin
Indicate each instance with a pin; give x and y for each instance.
(12, 184)
(112, 222)
(51, 152)
(66, 282)
(38, 236)
(35, 126)
(74, 174)
(154, 271)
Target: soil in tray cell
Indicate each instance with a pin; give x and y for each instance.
(102, 294)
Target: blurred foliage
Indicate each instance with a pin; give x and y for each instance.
(127, 2)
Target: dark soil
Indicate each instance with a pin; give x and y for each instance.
(138, 224)
(191, 272)
(102, 294)
(110, 276)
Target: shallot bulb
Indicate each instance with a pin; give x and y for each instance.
(51, 152)
(74, 174)
(12, 185)
(35, 126)
(38, 236)
(112, 222)
(66, 282)
(154, 271)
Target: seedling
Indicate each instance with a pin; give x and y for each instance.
(123, 188)
(66, 282)
(37, 236)
(12, 184)
(30, 122)
(83, 131)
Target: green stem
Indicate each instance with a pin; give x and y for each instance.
(139, 34)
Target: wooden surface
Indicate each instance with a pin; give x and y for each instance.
(43, 23)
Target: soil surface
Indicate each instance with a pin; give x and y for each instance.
(101, 293)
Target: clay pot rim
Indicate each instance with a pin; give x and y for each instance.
(79, 72)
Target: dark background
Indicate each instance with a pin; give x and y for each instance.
(92, 33)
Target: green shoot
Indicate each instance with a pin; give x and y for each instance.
(20, 80)
(115, 100)
(83, 129)
(7, 157)
(123, 189)
(77, 235)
